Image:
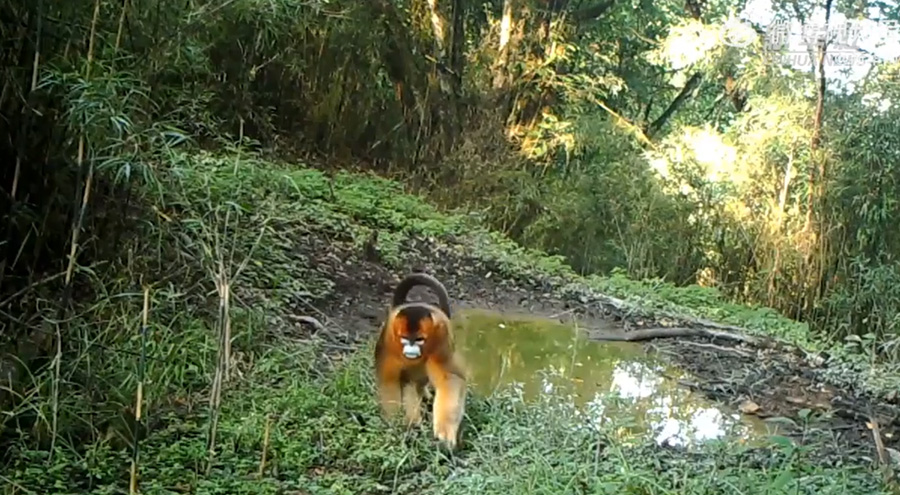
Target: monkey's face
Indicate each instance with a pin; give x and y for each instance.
(412, 349)
(413, 335)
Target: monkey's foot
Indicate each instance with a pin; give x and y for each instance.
(413, 419)
(446, 431)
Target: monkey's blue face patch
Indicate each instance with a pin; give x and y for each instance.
(412, 349)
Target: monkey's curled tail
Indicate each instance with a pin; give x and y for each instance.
(432, 283)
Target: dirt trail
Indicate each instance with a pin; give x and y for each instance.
(769, 382)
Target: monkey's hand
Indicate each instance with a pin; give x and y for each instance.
(449, 407)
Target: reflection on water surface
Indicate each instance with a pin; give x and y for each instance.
(604, 379)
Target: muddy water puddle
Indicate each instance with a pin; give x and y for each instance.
(607, 379)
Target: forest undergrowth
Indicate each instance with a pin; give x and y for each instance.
(247, 248)
(206, 315)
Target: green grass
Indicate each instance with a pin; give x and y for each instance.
(326, 437)
(348, 207)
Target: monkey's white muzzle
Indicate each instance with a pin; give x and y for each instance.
(412, 350)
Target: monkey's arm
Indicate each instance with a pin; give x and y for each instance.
(449, 400)
(387, 374)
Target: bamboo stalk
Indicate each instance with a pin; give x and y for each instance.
(37, 46)
(121, 25)
(142, 366)
(215, 401)
(265, 448)
(215, 398)
(225, 287)
(76, 229)
(93, 39)
(226, 313)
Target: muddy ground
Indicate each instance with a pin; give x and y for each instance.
(769, 383)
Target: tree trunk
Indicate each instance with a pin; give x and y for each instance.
(400, 63)
(816, 182)
(506, 24)
(458, 45)
(679, 100)
(446, 41)
(438, 28)
(456, 63)
(779, 221)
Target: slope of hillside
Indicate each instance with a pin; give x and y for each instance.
(279, 245)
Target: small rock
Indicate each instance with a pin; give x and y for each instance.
(749, 407)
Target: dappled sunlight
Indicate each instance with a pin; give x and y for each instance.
(687, 44)
(878, 102)
(746, 178)
(692, 44)
(783, 118)
(703, 148)
(543, 138)
(711, 150)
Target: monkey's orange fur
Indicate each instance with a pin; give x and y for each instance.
(403, 380)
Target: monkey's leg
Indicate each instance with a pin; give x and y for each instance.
(390, 391)
(449, 402)
(412, 403)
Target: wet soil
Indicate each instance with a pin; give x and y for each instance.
(771, 384)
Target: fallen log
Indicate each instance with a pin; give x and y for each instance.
(645, 334)
(676, 332)
(692, 327)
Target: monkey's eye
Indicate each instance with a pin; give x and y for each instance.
(420, 341)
